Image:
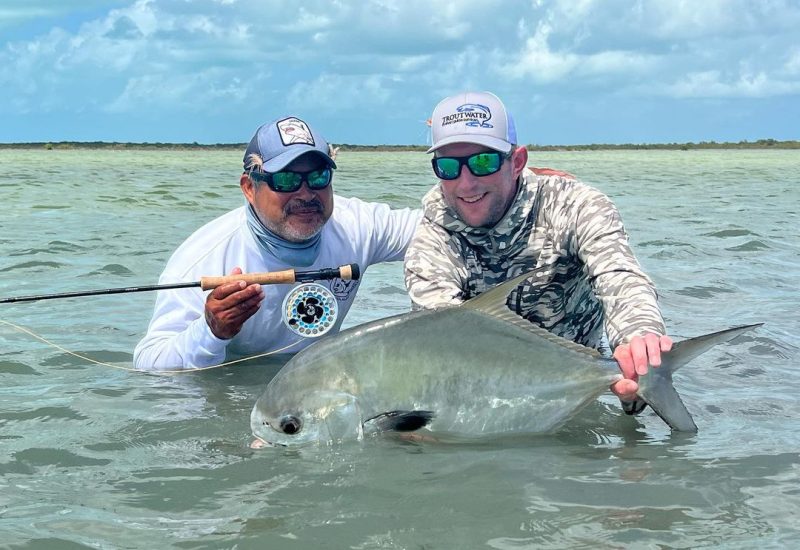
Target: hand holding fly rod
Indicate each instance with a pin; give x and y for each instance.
(288, 276)
(232, 303)
(238, 296)
(234, 298)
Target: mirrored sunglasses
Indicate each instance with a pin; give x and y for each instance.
(479, 164)
(289, 181)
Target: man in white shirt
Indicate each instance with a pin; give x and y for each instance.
(291, 220)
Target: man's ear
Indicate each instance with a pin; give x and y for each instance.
(248, 188)
(519, 160)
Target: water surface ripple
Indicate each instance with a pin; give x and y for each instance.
(96, 457)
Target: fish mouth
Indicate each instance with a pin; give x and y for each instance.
(260, 443)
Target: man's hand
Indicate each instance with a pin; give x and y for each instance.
(228, 306)
(635, 358)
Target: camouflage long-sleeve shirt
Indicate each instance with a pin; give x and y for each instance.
(586, 275)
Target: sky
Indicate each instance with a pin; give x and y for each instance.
(370, 71)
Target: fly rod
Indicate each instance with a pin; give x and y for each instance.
(347, 272)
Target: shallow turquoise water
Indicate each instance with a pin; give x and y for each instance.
(107, 458)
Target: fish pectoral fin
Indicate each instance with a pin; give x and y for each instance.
(399, 421)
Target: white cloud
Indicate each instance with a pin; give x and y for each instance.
(197, 93)
(413, 63)
(181, 58)
(714, 84)
(16, 12)
(541, 63)
(134, 56)
(306, 22)
(12, 16)
(680, 48)
(792, 66)
(682, 19)
(340, 92)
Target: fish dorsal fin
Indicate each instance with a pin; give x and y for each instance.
(493, 302)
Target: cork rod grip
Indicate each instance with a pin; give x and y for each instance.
(349, 272)
(346, 272)
(267, 278)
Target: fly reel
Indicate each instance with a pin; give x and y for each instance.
(310, 310)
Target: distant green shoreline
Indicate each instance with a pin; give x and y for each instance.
(113, 145)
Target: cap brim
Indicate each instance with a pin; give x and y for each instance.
(294, 152)
(491, 142)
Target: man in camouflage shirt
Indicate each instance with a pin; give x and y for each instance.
(491, 218)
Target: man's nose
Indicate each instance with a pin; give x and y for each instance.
(466, 178)
(305, 192)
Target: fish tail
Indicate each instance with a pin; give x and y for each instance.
(656, 386)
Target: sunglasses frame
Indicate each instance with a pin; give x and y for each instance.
(464, 161)
(268, 178)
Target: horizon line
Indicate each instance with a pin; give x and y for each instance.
(67, 144)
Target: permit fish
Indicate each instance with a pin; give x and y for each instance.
(471, 371)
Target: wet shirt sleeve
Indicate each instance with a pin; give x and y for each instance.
(391, 230)
(178, 336)
(435, 273)
(627, 294)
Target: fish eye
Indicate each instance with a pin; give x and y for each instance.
(290, 424)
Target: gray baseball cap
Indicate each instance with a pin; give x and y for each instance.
(281, 141)
(473, 117)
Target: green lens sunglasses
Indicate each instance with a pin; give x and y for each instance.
(289, 181)
(479, 164)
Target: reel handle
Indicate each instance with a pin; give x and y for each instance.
(288, 276)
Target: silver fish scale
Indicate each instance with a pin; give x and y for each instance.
(479, 376)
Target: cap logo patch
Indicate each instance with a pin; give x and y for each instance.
(472, 114)
(293, 130)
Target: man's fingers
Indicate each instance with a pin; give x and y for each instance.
(223, 291)
(623, 356)
(639, 354)
(230, 305)
(232, 294)
(625, 389)
(228, 289)
(241, 312)
(634, 358)
(653, 344)
(239, 303)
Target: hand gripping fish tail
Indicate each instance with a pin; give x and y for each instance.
(656, 386)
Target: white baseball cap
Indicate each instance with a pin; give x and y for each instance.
(473, 117)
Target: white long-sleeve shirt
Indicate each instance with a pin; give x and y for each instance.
(178, 335)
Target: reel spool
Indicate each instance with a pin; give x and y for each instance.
(310, 310)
